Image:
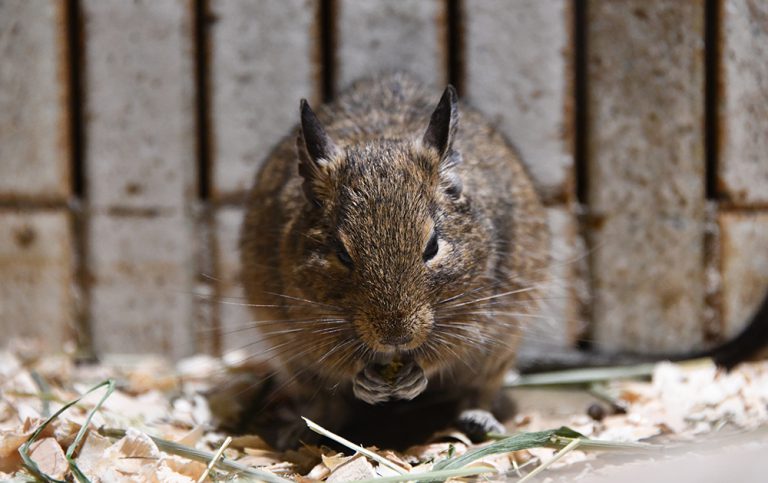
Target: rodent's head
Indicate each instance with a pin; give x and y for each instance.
(388, 235)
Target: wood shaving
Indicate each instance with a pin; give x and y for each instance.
(154, 398)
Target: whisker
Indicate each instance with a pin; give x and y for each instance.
(258, 324)
(495, 296)
(458, 296)
(299, 299)
(208, 276)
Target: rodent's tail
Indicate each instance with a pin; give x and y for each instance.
(751, 342)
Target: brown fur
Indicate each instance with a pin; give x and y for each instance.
(379, 195)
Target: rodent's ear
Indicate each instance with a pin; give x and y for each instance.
(443, 123)
(315, 148)
(318, 145)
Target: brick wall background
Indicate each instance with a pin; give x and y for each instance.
(129, 131)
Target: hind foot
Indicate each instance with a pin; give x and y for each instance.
(477, 423)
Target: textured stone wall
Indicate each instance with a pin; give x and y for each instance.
(742, 112)
(529, 50)
(130, 132)
(647, 172)
(140, 173)
(36, 244)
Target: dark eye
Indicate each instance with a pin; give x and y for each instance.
(454, 186)
(431, 249)
(343, 255)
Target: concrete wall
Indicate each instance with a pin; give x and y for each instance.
(130, 131)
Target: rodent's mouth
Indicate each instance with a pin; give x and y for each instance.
(383, 358)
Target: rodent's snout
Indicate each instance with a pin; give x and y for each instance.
(394, 332)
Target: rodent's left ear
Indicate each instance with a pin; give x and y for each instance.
(443, 123)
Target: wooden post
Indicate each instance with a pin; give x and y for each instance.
(380, 35)
(744, 259)
(519, 71)
(646, 173)
(264, 59)
(140, 172)
(742, 158)
(34, 116)
(36, 247)
(743, 102)
(37, 263)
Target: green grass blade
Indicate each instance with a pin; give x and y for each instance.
(597, 444)
(84, 429)
(513, 443)
(588, 375)
(45, 389)
(24, 449)
(431, 475)
(581, 376)
(554, 438)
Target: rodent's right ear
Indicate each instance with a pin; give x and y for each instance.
(319, 146)
(315, 148)
(443, 123)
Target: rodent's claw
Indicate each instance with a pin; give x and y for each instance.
(410, 382)
(477, 423)
(370, 386)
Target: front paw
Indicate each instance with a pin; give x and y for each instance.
(376, 384)
(370, 386)
(409, 382)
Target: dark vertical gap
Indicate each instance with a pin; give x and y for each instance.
(580, 154)
(580, 99)
(711, 94)
(455, 43)
(75, 63)
(75, 68)
(201, 86)
(327, 49)
(209, 338)
(713, 299)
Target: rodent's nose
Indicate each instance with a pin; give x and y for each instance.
(396, 339)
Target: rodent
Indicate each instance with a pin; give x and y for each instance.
(392, 247)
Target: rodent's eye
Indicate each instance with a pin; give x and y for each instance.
(343, 255)
(431, 249)
(455, 185)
